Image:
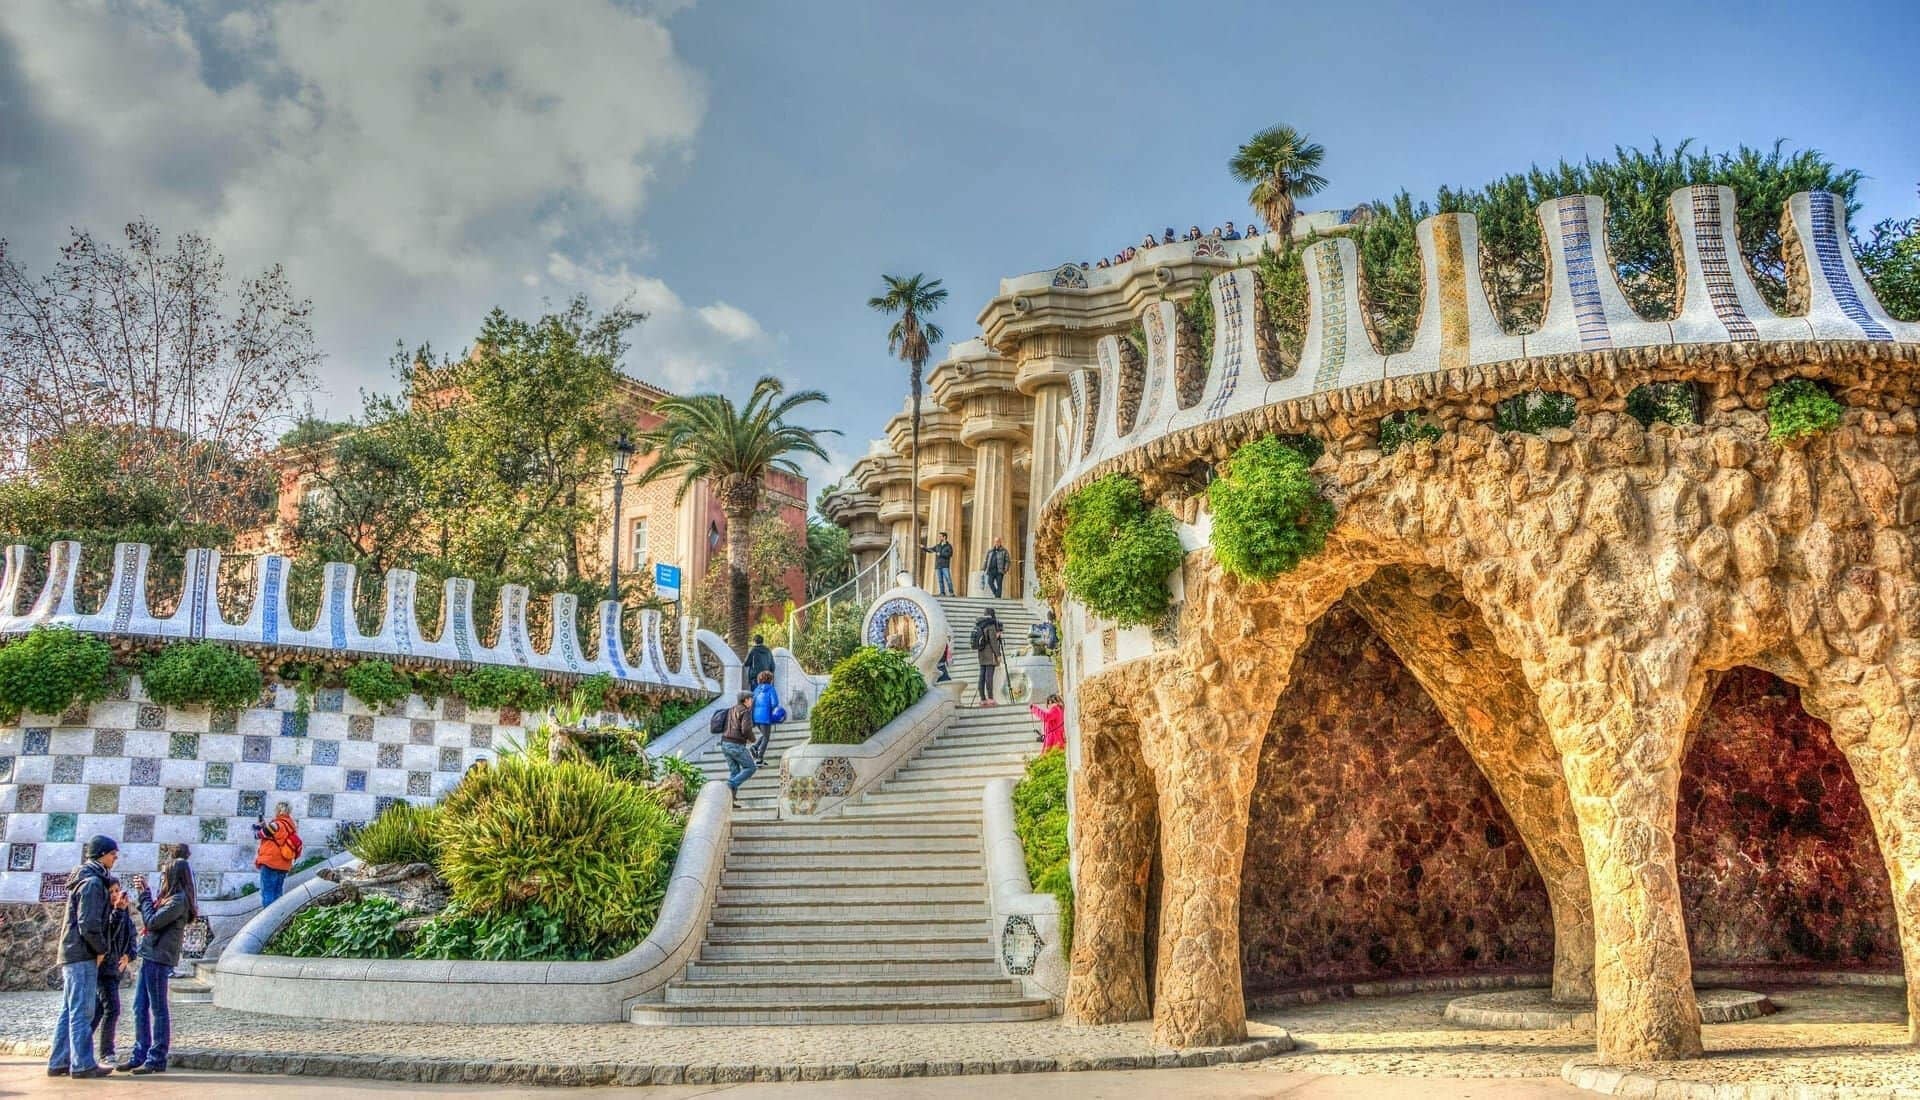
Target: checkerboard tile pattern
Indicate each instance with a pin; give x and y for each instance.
(150, 776)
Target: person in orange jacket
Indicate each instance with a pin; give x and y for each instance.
(280, 845)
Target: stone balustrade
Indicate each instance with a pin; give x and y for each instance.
(126, 611)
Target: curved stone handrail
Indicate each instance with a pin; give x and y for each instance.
(816, 780)
(1026, 925)
(1586, 312)
(429, 991)
(226, 917)
(126, 611)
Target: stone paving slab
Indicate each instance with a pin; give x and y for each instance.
(1530, 1009)
(211, 1038)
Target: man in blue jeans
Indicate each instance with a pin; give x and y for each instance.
(83, 946)
(734, 744)
(942, 552)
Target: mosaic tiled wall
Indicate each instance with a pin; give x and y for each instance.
(1376, 849)
(149, 775)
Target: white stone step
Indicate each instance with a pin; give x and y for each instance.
(879, 876)
(780, 1013)
(831, 863)
(776, 947)
(843, 991)
(889, 930)
(857, 911)
(883, 803)
(982, 967)
(879, 851)
(815, 892)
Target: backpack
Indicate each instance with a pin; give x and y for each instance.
(979, 634)
(292, 845)
(717, 723)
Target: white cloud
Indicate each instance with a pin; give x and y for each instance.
(412, 164)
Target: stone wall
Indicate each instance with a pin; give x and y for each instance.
(29, 934)
(150, 775)
(1778, 862)
(1376, 849)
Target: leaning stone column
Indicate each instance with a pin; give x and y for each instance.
(1113, 827)
(1621, 736)
(1484, 697)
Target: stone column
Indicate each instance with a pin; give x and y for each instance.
(992, 512)
(977, 385)
(1113, 827)
(1213, 701)
(1621, 739)
(945, 471)
(1484, 697)
(883, 475)
(1047, 362)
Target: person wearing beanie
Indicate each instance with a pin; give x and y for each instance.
(84, 943)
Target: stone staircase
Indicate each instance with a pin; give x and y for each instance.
(877, 914)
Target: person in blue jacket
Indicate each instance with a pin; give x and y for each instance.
(766, 712)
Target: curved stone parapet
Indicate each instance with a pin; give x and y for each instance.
(931, 634)
(125, 611)
(816, 780)
(1026, 925)
(1587, 312)
(424, 991)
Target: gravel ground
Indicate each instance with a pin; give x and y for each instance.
(1822, 1035)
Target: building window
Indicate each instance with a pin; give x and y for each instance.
(637, 540)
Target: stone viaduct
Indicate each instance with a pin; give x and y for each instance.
(1568, 600)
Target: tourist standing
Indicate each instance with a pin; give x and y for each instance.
(1053, 722)
(942, 552)
(997, 564)
(759, 660)
(989, 645)
(767, 711)
(121, 942)
(734, 742)
(280, 846)
(1044, 637)
(166, 921)
(83, 947)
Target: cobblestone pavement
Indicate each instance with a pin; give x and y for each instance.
(1823, 1035)
(1829, 1035)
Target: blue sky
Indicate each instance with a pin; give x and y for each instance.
(747, 169)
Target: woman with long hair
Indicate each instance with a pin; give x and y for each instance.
(166, 927)
(1053, 722)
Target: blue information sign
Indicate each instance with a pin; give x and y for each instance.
(666, 581)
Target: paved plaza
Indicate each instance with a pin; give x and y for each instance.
(1832, 1037)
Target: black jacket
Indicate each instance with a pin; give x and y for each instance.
(942, 552)
(166, 928)
(759, 659)
(999, 561)
(85, 935)
(121, 941)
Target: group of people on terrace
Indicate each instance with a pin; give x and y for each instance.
(1149, 242)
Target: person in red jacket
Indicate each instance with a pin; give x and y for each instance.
(280, 845)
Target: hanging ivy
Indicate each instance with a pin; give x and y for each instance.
(1268, 515)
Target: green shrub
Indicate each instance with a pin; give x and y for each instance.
(868, 689)
(1198, 312)
(773, 630)
(1119, 550)
(1401, 428)
(686, 769)
(656, 716)
(824, 644)
(592, 851)
(1267, 512)
(1040, 817)
(621, 753)
(51, 669)
(493, 687)
(402, 834)
(431, 684)
(1534, 412)
(593, 694)
(1283, 290)
(378, 683)
(1798, 408)
(1671, 402)
(526, 934)
(364, 929)
(204, 673)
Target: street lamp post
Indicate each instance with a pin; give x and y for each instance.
(622, 450)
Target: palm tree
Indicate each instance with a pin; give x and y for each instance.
(1281, 164)
(706, 437)
(912, 338)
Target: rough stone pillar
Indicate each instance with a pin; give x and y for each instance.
(1113, 826)
(945, 513)
(1484, 697)
(1621, 734)
(1213, 702)
(1872, 719)
(945, 471)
